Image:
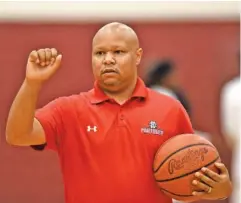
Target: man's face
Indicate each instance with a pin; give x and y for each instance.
(114, 60)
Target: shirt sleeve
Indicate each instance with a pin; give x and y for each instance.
(184, 125)
(50, 117)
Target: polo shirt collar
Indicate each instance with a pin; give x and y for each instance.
(98, 96)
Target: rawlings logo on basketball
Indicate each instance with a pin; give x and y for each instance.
(194, 156)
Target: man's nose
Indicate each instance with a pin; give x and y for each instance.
(109, 58)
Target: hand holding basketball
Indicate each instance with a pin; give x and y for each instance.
(42, 64)
(212, 185)
(187, 167)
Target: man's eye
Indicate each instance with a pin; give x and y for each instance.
(119, 52)
(99, 53)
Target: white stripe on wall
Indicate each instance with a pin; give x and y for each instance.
(99, 11)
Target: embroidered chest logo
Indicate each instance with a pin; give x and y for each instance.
(91, 128)
(152, 129)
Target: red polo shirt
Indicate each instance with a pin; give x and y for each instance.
(106, 150)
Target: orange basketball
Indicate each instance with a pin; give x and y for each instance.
(178, 159)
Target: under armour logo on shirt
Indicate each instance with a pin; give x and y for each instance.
(89, 128)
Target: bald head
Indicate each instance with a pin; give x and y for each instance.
(116, 28)
(115, 57)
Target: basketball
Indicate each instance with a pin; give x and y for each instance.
(177, 161)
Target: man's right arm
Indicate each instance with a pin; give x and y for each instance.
(22, 128)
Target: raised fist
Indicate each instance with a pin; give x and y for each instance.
(42, 64)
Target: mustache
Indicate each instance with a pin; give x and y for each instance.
(109, 70)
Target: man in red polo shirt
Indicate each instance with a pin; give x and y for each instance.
(106, 138)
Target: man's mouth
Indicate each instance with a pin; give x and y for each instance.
(107, 71)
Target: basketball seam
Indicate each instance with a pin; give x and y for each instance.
(176, 194)
(186, 174)
(177, 152)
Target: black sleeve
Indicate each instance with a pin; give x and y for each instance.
(39, 147)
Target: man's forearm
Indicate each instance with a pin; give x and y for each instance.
(21, 115)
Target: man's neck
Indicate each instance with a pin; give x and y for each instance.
(122, 96)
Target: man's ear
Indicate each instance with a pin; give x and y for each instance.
(139, 53)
